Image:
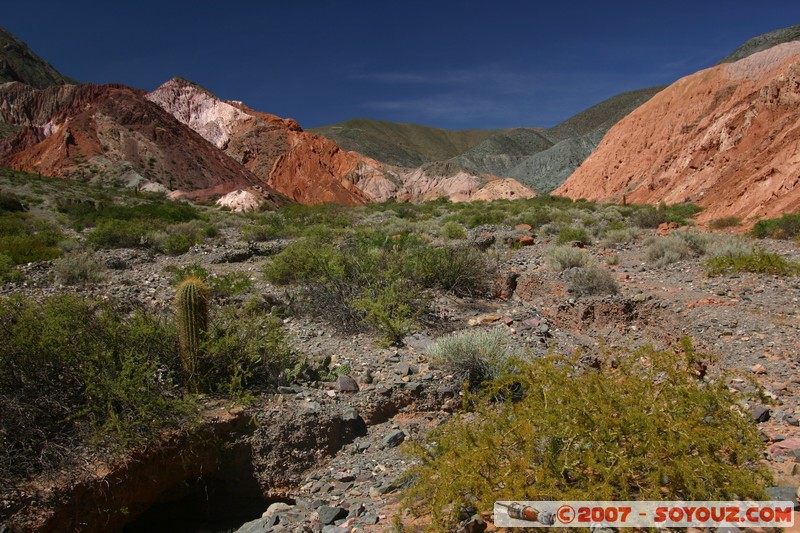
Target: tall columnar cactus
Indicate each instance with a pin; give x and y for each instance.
(191, 310)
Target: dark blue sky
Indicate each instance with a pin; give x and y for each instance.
(451, 64)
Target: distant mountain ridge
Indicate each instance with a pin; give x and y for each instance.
(19, 63)
(540, 158)
(763, 42)
(402, 145)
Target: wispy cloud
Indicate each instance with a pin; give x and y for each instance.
(492, 76)
(450, 106)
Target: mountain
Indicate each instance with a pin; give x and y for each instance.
(303, 167)
(402, 145)
(764, 42)
(310, 168)
(19, 63)
(725, 138)
(112, 134)
(539, 158)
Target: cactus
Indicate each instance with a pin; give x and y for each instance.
(191, 311)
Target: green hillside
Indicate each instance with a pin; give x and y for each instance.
(19, 63)
(405, 145)
(763, 42)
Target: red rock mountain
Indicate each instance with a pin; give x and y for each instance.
(114, 134)
(310, 168)
(304, 167)
(726, 138)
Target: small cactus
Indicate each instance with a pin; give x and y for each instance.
(191, 311)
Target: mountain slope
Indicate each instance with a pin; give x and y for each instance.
(539, 158)
(111, 133)
(403, 145)
(764, 42)
(19, 63)
(310, 168)
(725, 138)
(304, 167)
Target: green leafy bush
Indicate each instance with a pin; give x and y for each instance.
(570, 234)
(72, 369)
(642, 429)
(454, 230)
(7, 270)
(26, 239)
(462, 271)
(785, 227)
(758, 261)
(246, 351)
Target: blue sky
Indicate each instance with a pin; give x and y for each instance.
(450, 64)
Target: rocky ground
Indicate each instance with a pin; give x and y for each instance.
(329, 451)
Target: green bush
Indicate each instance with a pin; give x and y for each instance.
(785, 227)
(590, 281)
(662, 251)
(472, 357)
(642, 429)
(725, 222)
(462, 271)
(570, 234)
(78, 268)
(343, 283)
(119, 234)
(453, 230)
(72, 369)
(26, 239)
(7, 270)
(758, 262)
(246, 351)
(619, 236)
(561, 258)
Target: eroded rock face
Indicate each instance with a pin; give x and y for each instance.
(725, 138)
(111, 133)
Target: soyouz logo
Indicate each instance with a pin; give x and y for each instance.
(643, 514)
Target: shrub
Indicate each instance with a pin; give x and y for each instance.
(785, 227)
(619, 236)
(71, 369)
(336, 283)
(590, 280)
(246, 351)
(453, 230)
(78, 268)
(758, 262)
(230, 284)
(725, 222)
(391, 308)
(561, 258)
(644, 429)
(573, 234)
(7, 270)
(462, 271)
(730, 247)
(119, 234)
(648, 217)
(472, 357)
(26, 239)
(663, 251)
